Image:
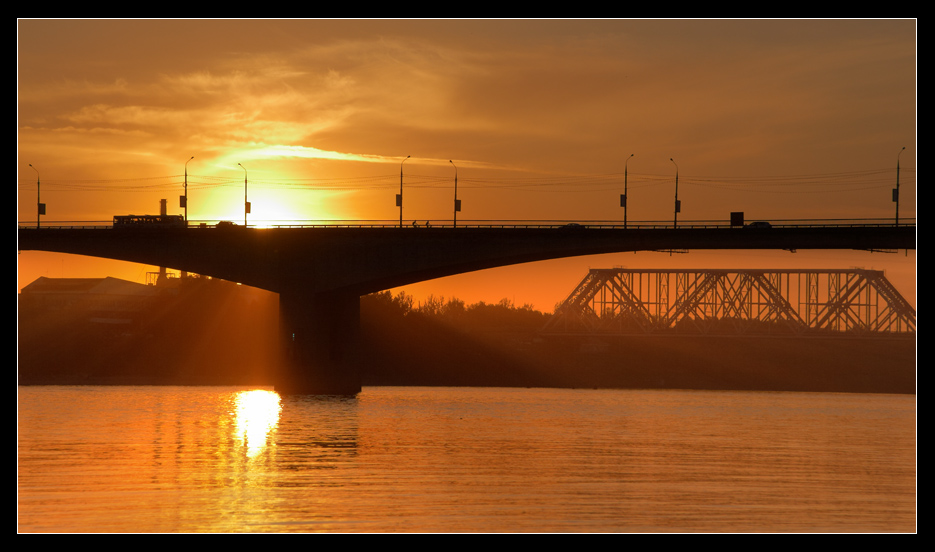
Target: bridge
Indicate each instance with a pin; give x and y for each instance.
(786, 302)
(320, 272)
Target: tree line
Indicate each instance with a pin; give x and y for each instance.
(455, 312)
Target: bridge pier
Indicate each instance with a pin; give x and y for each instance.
(321, 343)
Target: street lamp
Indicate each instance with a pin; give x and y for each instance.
(399, 198)
(185, 197)
(623, 198)
(457, 201)
(678, 206)
(40, 207)
(246, 204)
(896, 191)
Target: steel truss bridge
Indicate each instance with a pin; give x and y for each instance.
(734, 302)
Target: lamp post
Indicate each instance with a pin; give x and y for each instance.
(678, 206)
(896, 191)
(246, 204)
(399, 198)
(457, 201)
(623, 198)
(185, 197)
(40, 207)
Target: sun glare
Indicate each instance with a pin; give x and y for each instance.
(257, 414)
(264, 214)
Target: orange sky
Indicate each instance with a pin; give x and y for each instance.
(779, 119)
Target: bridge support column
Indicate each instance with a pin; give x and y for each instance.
(321, 335)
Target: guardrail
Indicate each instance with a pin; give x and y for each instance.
(544, 224)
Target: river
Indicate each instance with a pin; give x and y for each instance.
(150, 459)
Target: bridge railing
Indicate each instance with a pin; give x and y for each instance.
(569, 224)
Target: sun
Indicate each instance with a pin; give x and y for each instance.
(275, 207)
(268, 207)
(267, 212)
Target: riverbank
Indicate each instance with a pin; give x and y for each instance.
(213, 333)
(445, 358)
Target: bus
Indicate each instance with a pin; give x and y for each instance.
(149, 221)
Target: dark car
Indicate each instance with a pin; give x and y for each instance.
(759, 224)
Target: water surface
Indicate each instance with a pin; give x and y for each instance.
(399, 459)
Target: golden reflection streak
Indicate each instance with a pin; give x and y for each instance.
(256, 415)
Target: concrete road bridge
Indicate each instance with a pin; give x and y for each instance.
(321, 271)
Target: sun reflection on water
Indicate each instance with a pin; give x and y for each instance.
(257, 414)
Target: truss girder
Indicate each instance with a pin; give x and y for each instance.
(733, 301)
(630, 309)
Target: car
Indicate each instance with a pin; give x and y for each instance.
(759, 224)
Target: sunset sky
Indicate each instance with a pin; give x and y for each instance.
(783, 120)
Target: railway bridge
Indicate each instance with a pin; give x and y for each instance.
(618, 301)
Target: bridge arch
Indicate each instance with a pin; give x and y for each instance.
(320, 273)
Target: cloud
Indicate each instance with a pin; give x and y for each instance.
(544, 96)
(302, 152)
